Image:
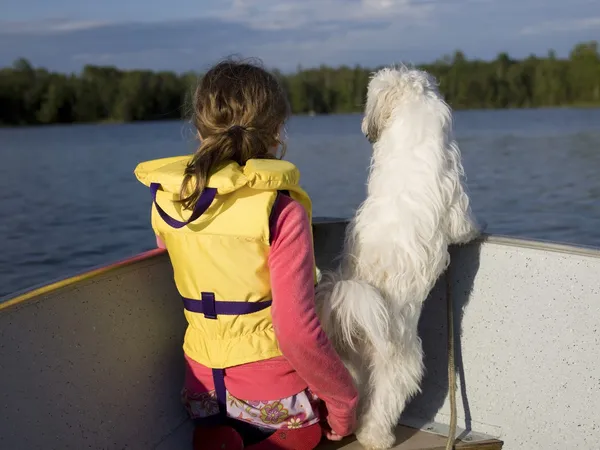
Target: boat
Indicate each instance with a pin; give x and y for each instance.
(95, 361)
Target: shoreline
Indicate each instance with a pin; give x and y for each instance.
(315, 115)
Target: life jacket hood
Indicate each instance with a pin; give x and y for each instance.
(260, 174)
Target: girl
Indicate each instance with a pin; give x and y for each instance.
(237, 228)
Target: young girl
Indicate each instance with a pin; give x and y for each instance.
(237, 228)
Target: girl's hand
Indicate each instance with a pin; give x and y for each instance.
(331, 435)
(325, 426)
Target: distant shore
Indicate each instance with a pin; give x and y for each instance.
(319, 115)
(316, 115)
(35, 96)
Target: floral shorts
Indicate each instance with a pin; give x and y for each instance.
(297, 411)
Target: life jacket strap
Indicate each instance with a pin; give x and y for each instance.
(273, 217)
(211, 308)
(219, 380)
(203, 203)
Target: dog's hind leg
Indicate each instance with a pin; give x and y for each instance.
(392, 383)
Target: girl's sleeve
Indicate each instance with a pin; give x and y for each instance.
(301, 338)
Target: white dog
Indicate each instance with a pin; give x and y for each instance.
(396, 246)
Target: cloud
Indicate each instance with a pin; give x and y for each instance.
(48, 26)
(562, 26)
(175, 45)
(195, 43)
(295, 14)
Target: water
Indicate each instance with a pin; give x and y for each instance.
(69, 200)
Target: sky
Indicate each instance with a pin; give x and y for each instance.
(182, 35)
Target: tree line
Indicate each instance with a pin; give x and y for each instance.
(31, 96)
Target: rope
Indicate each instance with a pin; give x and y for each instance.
(451, 365)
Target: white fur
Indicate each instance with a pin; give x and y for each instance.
(396, 246)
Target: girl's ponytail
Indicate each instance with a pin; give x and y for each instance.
(239, 112)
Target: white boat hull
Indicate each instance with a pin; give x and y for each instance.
(96, 362)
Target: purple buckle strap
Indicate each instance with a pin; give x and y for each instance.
(203, 203)
(211, 308)
(220, 390)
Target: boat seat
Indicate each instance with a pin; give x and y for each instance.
(407, 439)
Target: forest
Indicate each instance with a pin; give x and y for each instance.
(35, 96)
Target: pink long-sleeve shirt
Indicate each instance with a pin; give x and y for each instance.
(309, 359)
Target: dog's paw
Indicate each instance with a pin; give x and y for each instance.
(375, 438)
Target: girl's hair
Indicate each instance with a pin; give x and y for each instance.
(239, 110)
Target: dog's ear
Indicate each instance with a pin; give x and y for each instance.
(370, 124)
(378, 110)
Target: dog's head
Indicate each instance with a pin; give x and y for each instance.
(388, 89)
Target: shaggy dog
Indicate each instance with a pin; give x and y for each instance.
(396, 246)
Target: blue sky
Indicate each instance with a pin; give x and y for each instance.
(190, 35)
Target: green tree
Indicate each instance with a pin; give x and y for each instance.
(58, 103)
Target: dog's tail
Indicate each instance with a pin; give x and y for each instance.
(352, 310)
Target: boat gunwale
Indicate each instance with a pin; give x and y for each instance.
(41, 289)
(540, 244)
(516, 241)
(46, 288)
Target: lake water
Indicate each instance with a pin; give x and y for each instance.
(69, 200)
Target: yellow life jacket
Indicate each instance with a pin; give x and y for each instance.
(219, 252)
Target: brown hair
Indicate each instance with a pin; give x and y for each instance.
(239, 110)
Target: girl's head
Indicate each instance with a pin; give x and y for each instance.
(239, 113)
